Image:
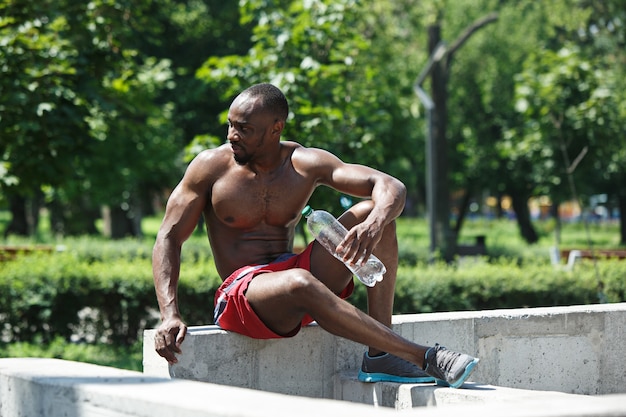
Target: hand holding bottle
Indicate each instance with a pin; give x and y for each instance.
(357, 246)
(330, 233)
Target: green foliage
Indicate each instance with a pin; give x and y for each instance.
(107, 298)
(97, 291)
(82, 121)
(333, 61)
(124, 357)
(481, 285)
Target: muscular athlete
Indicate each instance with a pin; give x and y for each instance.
(251, 191)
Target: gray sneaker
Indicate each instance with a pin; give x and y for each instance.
(450, 368)
(391, 368)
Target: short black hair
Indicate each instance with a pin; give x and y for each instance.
(273, 99)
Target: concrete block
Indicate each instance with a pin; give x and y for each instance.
(408, 396)
(575, 349)
(57, 388)
(301, 365)
(558, 348)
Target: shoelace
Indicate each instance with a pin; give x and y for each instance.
(447, 358)
(439, 361)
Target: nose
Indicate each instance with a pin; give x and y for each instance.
(231, 134)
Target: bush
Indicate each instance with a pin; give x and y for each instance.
(104, 293)
(503, 283)
(63, 294)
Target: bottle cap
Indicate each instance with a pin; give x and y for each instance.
(307, 210)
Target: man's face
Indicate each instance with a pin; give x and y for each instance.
(248, 126)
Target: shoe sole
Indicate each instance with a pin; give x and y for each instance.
(468, 371)
(380, 377)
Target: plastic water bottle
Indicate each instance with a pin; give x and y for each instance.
(330, 232)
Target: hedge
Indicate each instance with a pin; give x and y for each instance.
(110, 298)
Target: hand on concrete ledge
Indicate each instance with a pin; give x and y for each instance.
(169, 336)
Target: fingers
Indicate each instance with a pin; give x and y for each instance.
(357, 246)
(180, 337)
(167, 342)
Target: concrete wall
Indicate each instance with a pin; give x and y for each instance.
(57, 388)
(585, 353)
(576, 349)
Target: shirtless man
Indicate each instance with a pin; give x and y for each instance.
(251, 191)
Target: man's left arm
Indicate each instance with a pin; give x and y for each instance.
(387, 193)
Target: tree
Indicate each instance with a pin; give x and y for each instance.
(442, 237)
(483, 97)
(574, 128)
(324, 56)
(73, 93)
(573, 94)
(42, 114)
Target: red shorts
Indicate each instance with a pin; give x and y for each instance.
(234, 313)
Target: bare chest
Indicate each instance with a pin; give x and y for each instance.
(247, 201)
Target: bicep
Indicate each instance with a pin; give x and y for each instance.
(353, 179)
(361, 180)
(185, 206)
(182, 213)
(357, 180)
(325, 168)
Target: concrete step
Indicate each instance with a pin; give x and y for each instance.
(407, 396)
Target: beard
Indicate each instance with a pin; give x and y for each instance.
(240, 155)
(241, 159)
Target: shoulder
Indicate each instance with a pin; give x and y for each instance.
(312, 158)
(208, 164)
(221, 154)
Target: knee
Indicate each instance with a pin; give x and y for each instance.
(362, 209)
(359, 212)
(301, 282)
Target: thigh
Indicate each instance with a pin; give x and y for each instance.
(328, 269)
(325, 266)
(271, 296)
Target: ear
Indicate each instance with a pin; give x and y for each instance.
(278, 127)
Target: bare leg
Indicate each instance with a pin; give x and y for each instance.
(380, 297)
(282, 298)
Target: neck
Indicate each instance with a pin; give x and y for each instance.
(271, 161)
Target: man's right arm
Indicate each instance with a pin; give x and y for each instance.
(182, 213)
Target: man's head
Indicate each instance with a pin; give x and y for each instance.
(256, 119)
(271, 99)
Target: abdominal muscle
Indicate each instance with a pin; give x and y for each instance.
(234, 248)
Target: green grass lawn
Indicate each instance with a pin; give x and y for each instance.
(501, 233)
(100, 354)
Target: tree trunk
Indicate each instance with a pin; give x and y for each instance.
(622, 218)
(519, 201)
(445, 238)
(24, 215)
(73, 218)
(120, 223)
(554, 212)
(19, 220)
(463, 208)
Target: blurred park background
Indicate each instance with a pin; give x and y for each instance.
(505, 120)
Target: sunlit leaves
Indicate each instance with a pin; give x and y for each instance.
(74, 93)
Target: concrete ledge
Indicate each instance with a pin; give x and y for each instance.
(55, 388)
(577, 349)
(303, 365)
(407, 396)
